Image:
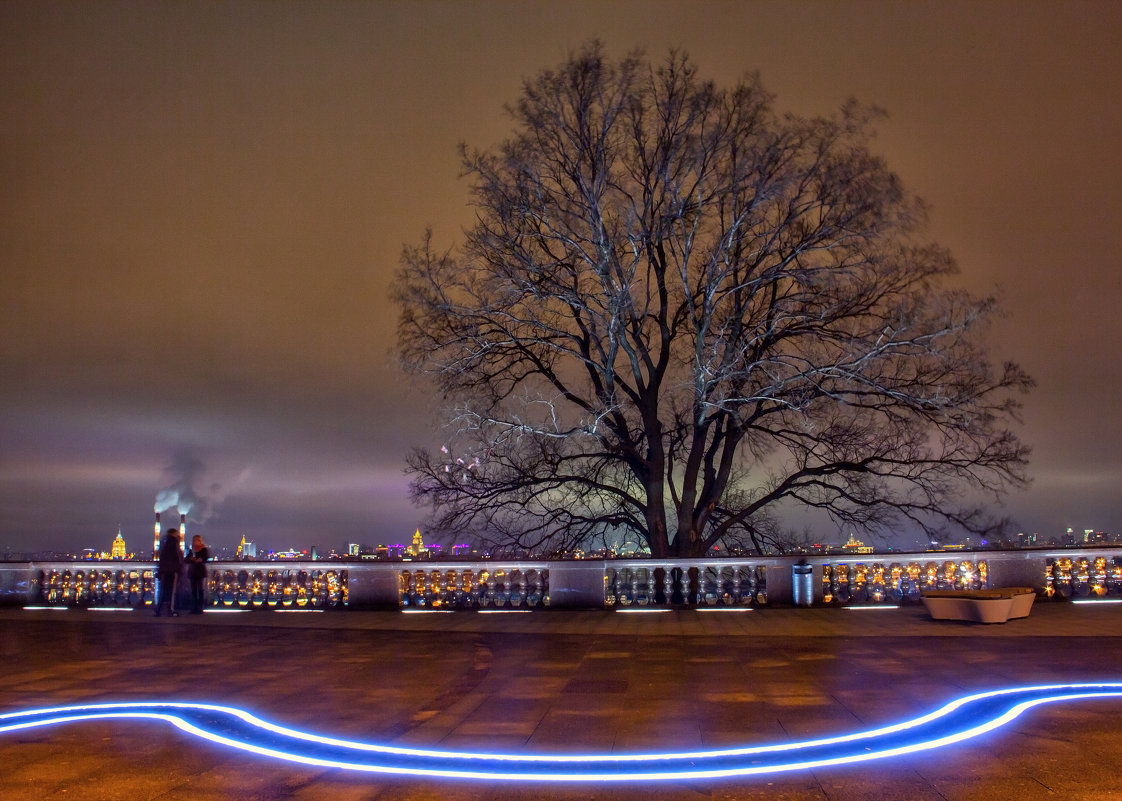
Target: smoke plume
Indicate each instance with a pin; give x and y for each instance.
(184, 472)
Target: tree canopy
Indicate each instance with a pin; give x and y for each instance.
(678, 311)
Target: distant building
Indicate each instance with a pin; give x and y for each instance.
(418, 549)
(949, 546)
(854, 545)
(119, 551)
(247, 550)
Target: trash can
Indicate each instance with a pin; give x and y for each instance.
(802, 584)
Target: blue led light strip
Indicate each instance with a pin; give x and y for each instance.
(954, 722)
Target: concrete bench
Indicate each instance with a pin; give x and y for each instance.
(980, 606)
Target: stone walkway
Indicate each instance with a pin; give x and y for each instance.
(562, 682)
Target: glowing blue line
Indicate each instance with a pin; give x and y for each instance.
(958, 720)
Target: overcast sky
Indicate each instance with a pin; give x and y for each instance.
(202, 205)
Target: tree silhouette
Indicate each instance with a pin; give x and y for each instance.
(679, 311)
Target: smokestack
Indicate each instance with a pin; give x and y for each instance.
(156, 541)
(183, 532)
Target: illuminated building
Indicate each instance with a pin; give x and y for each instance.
(247, 550)
(418, 547)
(855, 545)
(119, 551)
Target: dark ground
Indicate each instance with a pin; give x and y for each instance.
(558, 681)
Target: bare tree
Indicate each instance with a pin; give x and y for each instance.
(678, 310)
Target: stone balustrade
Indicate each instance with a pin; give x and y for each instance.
(590, 583)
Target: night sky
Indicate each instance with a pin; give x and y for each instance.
(202, 206)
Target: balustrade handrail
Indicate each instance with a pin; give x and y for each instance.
(592, 583)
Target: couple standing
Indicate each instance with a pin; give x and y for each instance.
(170, 567)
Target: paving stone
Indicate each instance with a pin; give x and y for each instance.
(564, 682)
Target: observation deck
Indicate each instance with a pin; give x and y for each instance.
(559, 682)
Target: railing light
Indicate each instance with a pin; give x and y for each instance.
(220, 611)
(426, 611)
(725, 609)
(642, 611)
(44, 608)
(1103, 601)
(110, 608)
(504, 611)
(859, 608)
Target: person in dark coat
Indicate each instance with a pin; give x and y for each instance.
(196, 571)
(168, 570)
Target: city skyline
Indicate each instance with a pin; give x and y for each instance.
(204, 207)
(422, 544)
